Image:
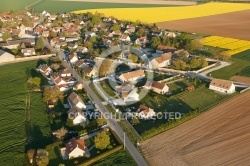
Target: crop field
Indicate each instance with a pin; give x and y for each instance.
(56, 6)
(7, 5)
(153, 15)
(233, 25)
(15, 134)
(233, 46)
(240, 67)
(219, 136)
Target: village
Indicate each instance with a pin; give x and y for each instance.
(138, 71)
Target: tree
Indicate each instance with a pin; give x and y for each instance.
(180, 64)
(204, 62)
(95, 19)
(115, 27)
(102, 140)
(42, 157)
(31, 154)
(6, 35)
(194, 45)
(52, 94)
(135, 121)
(155, 41)
(37, 81)
(133, 58)
(105, 67)
(224, 55)
(53, 34)
(60, 134)
(101, 121)
(195, 63)
(39, 44)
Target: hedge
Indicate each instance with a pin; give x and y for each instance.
(103, 155)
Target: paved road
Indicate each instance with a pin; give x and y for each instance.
(111, 122)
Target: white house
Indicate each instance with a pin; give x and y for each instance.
(144, 112)
(75, 148)
(77, 116)
(132, 76)
(44, 68)
(73, 58)
(157, 87)
(75, 100)
(222, 86)
(28, 51)
(132, 96)
(6, 57)
(163, 60)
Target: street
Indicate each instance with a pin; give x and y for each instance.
(111, 122)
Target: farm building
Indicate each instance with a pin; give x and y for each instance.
(222, 86)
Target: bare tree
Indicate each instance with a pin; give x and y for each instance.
(31, 154)
(61, 133)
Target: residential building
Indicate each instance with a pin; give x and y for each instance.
(28, 51)
(77, 116)
(73, 58)
(75, 101)
(164, 49)
(6, 57)
(132, 76)
(145, 112)
(75, 148)
(44, 68)
(158, 87)
(163, 60)
(222, 86)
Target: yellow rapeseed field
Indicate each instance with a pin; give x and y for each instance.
(161, 14)
(233, 46)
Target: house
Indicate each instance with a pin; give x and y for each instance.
(157, 87)
(75, 101)
(80, 64)
(11, 44)
(141, 41)
(72, 46)
(161, 61)
(78, 86)
(28, 51)
(125, 38)
(73, 58)
(6, 57)
(164, 49)
(44, 68)
(75, 148)
(132, 76)
(81, 49)
(132, 96)
(144, 112)
(77, 116)
(222, 86)
(170, 34)
(45, 34)
(65, 73)
(89, 34)
(59, 81)
(117, 33)
(157, 33)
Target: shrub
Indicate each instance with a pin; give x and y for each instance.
(109, 147)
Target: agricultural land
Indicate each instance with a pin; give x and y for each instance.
(234, 25)
(151, 15)
(21, 127)
(217, 137)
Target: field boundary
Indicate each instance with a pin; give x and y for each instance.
(28, 7)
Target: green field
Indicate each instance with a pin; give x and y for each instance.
(183, 102)
(16, 135)
(7, 5)
(63, 6)
(240, 66)
(121, 158)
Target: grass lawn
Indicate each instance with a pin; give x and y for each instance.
(105, 84)
(159, 77)
(92, 86)
(16, 135)
(7, 5)
(55, 154)
(122, 157)
(183, 102)
(66, 6)
(240, 66)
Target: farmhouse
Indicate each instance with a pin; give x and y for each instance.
(145, 113)
(157, 87)
(222, 86)
(77, 116)
(6, 57)
(132, 76)
(75, 100)
(163, 60)
(75, 148)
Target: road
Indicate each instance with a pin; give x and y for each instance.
(111, 122)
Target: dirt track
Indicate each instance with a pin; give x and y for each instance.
(163, 2)
(220, 136)
(235, 25)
